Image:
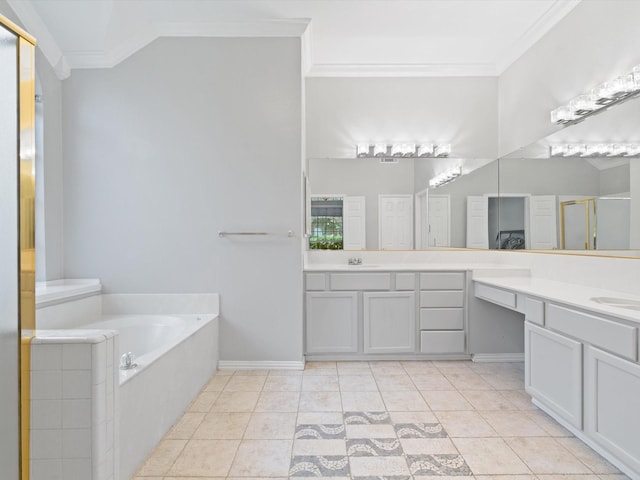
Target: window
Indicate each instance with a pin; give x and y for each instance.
(326, 223)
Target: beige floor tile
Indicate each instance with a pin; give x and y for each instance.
(358, 383)
(467, 380)
(431, 381)
(487, 400)
(320, 383)
(319, 447)
(378, 466)
(203, 402)
(257, 478)
(586, 455)
(189, 478)
(226, 372)
(395, 383)
(409, 401)
(451, 365)
(186, 426)
(545, 455)
(508, 477)
(354, 368)
(320, 402)
(201, 458)
(271, 426)
(252, 373)
(266, 458)
(548, 424)
(568, 477)
(278, 402)
(319, 418)
(387, 368)
(320, 368)
(504, 382)
(442, 477)
(283, 384)
(519, 398)
(413, 417)
(370, 431)
(418, 367)
(445, 400)
(619, 476)
(490, 456)
(222, 426)
(247, 383)
(465, 424)
(217, 383)
(494, 368)
(161, 459)
(236, 402)
(362, 402)
(428, 446)
(514, 424)
(285, 373)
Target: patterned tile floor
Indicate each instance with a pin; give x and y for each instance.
(365, 420)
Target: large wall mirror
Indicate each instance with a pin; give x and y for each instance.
(581, 200)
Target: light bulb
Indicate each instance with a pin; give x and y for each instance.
(379, 150)
(362, 150)
(396, 150)
(425, 150)
(409, 149)
(442, 150)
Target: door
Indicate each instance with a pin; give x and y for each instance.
(332, 322)
(542, 222)
(389, 322)
(439, 214)
(421, 220)
(553, 372)
(354, 226)
(395, 222)
(477, 222)
(612, 390)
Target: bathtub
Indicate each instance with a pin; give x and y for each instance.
(175, 357)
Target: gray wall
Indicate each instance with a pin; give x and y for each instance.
(362, 176)
(187, 137)
(615, 180)
(592, 44)
(342, 112)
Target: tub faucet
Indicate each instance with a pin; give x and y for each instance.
(126, 361)
(355, 261)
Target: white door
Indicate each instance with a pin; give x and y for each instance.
(395, 222)
(332, 322)
(354, 227)
(421, 221)
(477, 222)
(439, 213)
(542, 222)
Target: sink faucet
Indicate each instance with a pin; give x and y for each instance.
(355, 261)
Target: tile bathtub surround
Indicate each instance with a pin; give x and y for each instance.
(405, 420)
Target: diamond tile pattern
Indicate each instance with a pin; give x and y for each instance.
(383, 420)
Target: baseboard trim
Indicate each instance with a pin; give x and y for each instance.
(498, 357)
(259, 365)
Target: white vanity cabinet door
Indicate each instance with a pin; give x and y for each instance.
(553, 372)
(332, 322)
(389, 322)
(612, 405)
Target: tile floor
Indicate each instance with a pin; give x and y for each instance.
(397, 420)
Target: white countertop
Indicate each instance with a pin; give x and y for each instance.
(485, 269)
(54, 291)
(567, 293)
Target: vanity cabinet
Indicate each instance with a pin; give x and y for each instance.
(442, 312)
(389, 322)
(332, 322)
(385, 313)
(611, 396)
(553, 372)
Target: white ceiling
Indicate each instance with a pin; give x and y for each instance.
(344, 37)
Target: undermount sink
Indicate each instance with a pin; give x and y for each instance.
(627, 303)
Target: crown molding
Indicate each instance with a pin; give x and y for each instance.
(390, 70)
(255, 28)
(45, 41)
(535, 32)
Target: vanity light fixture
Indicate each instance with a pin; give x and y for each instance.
(446, 177)
(595, 150)
(601, 96)
(365, 150)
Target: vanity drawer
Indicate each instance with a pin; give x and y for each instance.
(442, 281)
(316, 281)
(446, 299)
(441, 319)
(405, 281)
(442, 342)
(534, 310)
(360, 281)
(615, 337)
(495, 295)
